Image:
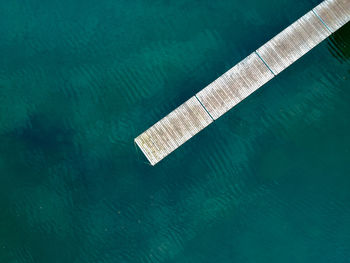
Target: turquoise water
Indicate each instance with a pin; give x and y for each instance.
(79, 80)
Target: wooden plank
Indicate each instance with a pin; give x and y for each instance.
(334, 13)
(234, 86)
(173, 130)
(293, 42)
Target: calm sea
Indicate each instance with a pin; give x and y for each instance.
(79, 80)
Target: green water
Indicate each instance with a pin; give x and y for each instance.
(79, 80)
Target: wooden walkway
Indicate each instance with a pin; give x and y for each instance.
(243, 79)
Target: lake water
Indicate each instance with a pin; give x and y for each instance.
(79, 80)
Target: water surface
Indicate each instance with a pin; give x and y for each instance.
(79, 80)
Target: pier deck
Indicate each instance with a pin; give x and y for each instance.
(243, 79)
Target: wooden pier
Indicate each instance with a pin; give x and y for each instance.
(243, 79)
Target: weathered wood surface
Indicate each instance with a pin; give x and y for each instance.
(243, 79)
(293, 42)
(234, 86)
(334, 13)
(173, 130)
